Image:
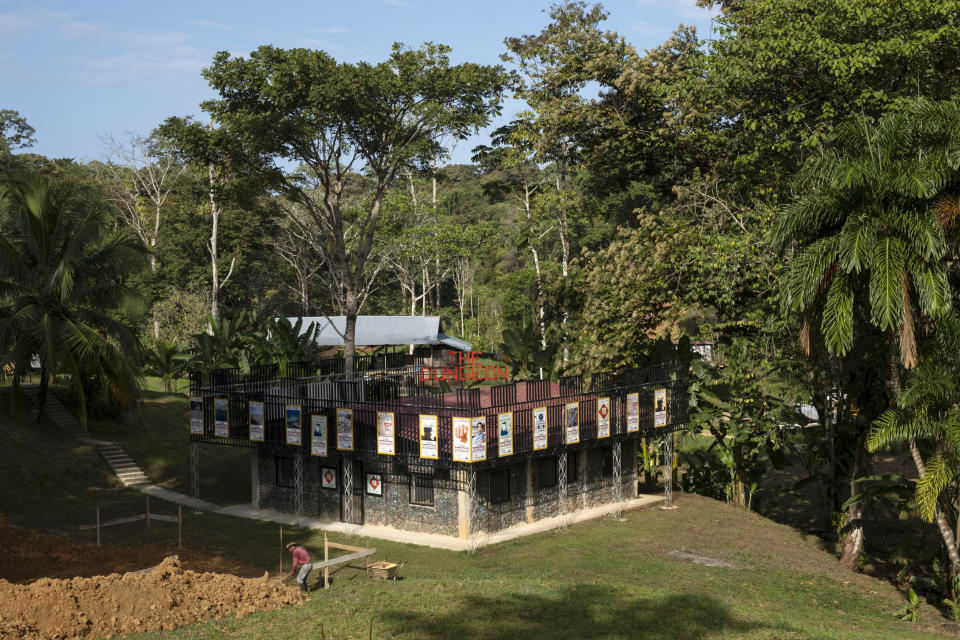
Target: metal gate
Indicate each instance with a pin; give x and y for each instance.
(351, 492)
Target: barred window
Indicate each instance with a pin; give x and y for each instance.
(499, 486)
(573, 466)
(606, 463)
(546, 472)
(284, 471)
(421, 489)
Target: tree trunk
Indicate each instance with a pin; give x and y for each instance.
(350, 331)
(949, 537)
(215, 214)
(42, 392)
(852, 546)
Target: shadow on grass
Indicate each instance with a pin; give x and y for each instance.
(578, 611)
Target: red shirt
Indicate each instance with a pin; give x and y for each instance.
(300, 557)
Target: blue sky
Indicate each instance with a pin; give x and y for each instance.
(81, 70)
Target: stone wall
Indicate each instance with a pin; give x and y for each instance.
(393, 508)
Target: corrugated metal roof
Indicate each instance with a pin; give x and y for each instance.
(382, 330)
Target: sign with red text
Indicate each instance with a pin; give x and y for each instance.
(328, 478)
(374, 484)
(603, 417)
(468, 368)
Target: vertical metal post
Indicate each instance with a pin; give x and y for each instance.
(281, 550)
(148, 512)
(348, 490)
(195, 469)
(668, 469)
(617, 478)
(98, 526)
(562, 482)
(298, 486)
(472, 492)
(179, 526)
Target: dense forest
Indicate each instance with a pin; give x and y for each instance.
(786, 190)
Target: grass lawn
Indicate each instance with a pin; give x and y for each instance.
(602, 579)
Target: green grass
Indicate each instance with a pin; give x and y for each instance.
(602, 579)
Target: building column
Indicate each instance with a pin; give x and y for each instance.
(195, 469)
(465, 504)
(255, 478)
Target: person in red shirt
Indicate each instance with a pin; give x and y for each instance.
(301, 559)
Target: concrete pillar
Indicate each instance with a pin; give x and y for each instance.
(255, 478)
(582, 476)
(528, 496)
(464, 507)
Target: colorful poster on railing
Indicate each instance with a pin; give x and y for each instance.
(196, 416)
(461, 439)
(292, 411)
(344, 429)
(386, 440)
(603, 417)
(319, 439)
(256, 421)
(660, 408)
(505, 434)
(539, 428)
(428, 437)
(633, 412)
(221, 417)
(478, 440)
(572, 432)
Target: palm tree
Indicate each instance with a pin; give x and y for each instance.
(927, 417)
(167, 362)
(868, 248)
(61, 273)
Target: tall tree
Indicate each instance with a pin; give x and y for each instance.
(61, 274)
(339, 119)
(868, 249)
(142, 170)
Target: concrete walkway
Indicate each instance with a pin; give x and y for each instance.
(451, 543)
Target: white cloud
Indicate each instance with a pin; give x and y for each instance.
(331, 30)
(398, 3)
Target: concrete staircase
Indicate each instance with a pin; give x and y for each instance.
(54, 410)
(126, 469)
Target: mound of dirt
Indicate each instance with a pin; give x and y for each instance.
(27, 555)
(164, 597)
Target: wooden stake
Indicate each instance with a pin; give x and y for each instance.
(148, 511)
(281, 551)
(326, 556)
(179, 526)
(98, 526)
